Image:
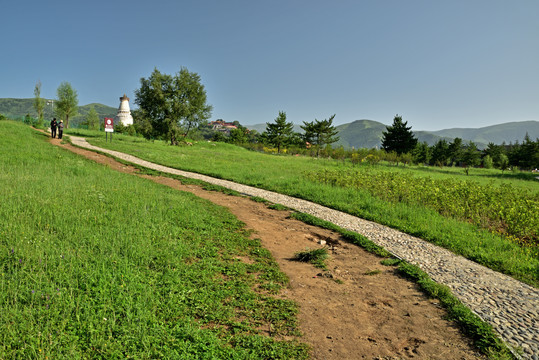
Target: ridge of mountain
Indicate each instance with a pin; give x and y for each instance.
(12, 107)
(368, 133)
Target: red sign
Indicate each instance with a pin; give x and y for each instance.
(109, 125)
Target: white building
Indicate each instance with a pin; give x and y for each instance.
(124, 113)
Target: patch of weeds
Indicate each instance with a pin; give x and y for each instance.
(373, 272)
(390, 262)
(317, 257)
(258, 199)
(278, 207)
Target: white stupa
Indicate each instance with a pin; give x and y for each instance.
(124, 114)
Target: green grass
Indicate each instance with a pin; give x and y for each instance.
(317, 257)
(99, 264)
(289, 175)
(503, 209)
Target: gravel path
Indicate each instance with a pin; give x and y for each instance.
(511, 307)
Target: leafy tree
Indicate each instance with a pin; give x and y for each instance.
(238, 135)
(279, 133)
(39, 103)
(67, 103)
(219, 137)
(320, 133)
(92, 119)
(253, 136)
(398, 137)
(171, 105)
(440, 153)
(488, 163)
(406, 158)
(504, 163)
(494, 151)
(142, 124)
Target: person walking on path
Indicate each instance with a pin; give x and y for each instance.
(60, 129)
(54, 124)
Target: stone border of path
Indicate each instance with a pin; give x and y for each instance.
(510, 306)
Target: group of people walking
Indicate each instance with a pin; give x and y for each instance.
(57, 125)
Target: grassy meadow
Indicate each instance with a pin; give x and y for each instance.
(99, 264)
(502, 236)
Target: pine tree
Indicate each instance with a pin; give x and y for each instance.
(398, 137)
(320, 133)
(279, 133)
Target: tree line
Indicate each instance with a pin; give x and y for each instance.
(172, 107)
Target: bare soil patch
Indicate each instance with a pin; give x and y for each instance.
(358, 309)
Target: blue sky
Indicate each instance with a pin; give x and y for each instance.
(439, 64)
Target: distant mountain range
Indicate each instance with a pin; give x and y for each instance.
(16, 108)
(368, 133)
(357, 134)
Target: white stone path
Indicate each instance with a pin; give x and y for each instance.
(510, 306)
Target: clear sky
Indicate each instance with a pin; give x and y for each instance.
(438, 64)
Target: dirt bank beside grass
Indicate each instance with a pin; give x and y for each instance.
(358, 309)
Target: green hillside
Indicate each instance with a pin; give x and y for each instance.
(360, 134)
(508, 132)
(17, 108)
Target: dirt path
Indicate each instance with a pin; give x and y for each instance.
(371, 313)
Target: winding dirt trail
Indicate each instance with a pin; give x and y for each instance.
(370, 313)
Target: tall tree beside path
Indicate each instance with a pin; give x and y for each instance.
(320, 133)
(67, 103)
(39, 102)
(170, 106)
(280, 132)
(398, 137)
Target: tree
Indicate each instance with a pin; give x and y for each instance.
(494, 151)
(398, 137)
(39, 103)
(320, 133)
(455, 151)
(440, 153)
(92, 119)
(471, 156)
(421, 153)
(504, 163)
(488, 163)
(239, 135)
(67, 103)
(280, 132)
(528, 153)
(171, 105)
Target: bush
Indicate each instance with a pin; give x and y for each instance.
(487, 162)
